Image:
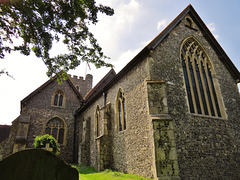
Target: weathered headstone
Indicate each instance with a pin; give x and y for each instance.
(48, 147)
(36, 164)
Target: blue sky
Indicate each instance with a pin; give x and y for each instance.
(122, 36)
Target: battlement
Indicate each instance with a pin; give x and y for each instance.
(83, 85)
(75, 77)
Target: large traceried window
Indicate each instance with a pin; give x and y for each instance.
(198, 77)
(121, 110)
(55, 127)
(98, 120)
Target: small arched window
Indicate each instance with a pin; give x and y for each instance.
(188, 22)
(121, 110)
(198, 77)
(98, 120)
(58, 98)
(55, 127)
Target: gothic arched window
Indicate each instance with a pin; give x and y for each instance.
(121, 110)
(188, 22)
(55, 127)
(58, 98)
(98, 119)
(198, 77)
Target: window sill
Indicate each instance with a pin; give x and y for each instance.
(206, 116)
(122, 131)
(60, 107)
(191, 27)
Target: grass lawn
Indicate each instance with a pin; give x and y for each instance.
(88, 173)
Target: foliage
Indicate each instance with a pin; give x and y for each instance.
(40, 23)
(41, 141)
(89, 173)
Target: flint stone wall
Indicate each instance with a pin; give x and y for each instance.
(207, 147)
(40, 111)
(132, 149)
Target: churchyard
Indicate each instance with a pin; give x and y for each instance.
(39, 164)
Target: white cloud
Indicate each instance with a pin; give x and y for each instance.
(110, 30)
(145, 43)
(125, 58)
(29, 74)
(161, 24)
(212, 28)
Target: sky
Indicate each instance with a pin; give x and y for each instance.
(134, 24)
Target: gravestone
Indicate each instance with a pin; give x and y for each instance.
(36, 164)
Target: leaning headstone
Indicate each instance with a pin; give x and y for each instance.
(36, 164)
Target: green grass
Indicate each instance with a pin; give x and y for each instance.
(88, 173)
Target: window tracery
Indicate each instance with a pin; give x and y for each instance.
(55, 127)
(198, 72)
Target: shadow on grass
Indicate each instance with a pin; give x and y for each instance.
(84, 169)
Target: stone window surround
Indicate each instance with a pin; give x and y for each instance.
(215, 82)
(120, 100)
(189, 23)
(63, 101)
(65, 129)
(97, 121)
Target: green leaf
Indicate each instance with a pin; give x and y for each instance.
(39, 22)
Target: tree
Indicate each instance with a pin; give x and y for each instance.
(5, 72)
(41, 141)
(40, 23)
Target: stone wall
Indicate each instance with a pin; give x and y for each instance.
(6, 146)
(36, 112)
(83, 85)
(132, 149)
(40, 110)
(207, 147)
(188, 146)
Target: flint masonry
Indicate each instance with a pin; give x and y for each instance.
(171, 113)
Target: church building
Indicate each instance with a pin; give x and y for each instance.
(173, 112)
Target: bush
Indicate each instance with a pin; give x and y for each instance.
(41, 141)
